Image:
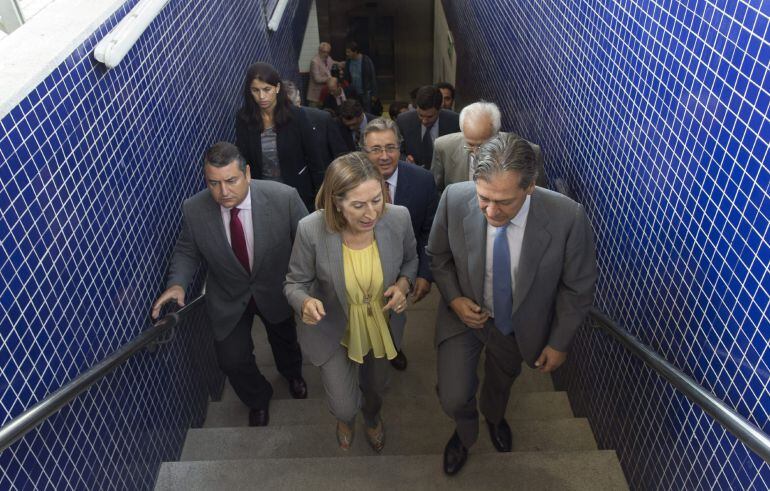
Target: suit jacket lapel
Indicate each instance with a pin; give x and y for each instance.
(534, 244)
(475, 228)
(461, 156)
(334, 254)
(403, 188)
(213, 217)
(384, 235)
(260, 224)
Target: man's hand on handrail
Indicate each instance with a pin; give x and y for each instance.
(175, 294)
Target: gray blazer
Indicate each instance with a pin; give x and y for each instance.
(450, 161)
(276, 209)
(555, 282)
(316, 270)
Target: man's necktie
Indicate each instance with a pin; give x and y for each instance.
(387, 193)
(238, 239)
(426, 150)
(502, 290)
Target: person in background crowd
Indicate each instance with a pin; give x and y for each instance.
(420, 127)
(351, 269)
(409, 186)
(274, 136)
(329, 141)
(336, 94)
(360, 74)
(396, 108)
(242, 229)
(353, 120)
(320, 71)
(454, 155)
(413, 98)
(447, 95)
(516, 274)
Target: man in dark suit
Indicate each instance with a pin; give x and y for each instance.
(352, 122)
(409, 186)
(516, 267)
(325, 129)
(426, 123)
(242, 230)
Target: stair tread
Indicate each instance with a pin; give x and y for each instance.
(317, 440)
(522, 406)
(585, 470)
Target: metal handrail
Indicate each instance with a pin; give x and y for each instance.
(746, 432)
(38, 413)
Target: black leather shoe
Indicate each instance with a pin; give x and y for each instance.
(500, 434)
(455, 455)
(399, 362)
(259, 417)
(298, 388)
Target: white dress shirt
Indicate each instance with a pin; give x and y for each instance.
(515, 234)
(392, 183)
(244, 215)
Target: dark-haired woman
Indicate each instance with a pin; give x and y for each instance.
(275, 137)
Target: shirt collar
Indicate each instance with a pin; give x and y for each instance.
(521, 217)
(393, 179)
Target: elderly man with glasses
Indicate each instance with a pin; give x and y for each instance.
(454, 155)
(410, 186)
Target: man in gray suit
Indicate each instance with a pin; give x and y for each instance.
(243, 231)
(516, 268)
(454, 155)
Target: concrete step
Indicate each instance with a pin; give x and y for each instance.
(319, 440)
(400, 410)
(418, 379)
(587, 470)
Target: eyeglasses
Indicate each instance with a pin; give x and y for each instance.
(379, 150)
(472, 149)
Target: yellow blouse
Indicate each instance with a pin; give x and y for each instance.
(367, 328)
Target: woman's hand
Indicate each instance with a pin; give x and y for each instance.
(312, 311)
(397, 295)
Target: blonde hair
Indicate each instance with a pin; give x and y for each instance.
(344, 173)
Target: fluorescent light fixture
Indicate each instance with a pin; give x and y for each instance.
(115, 45)
(275, 20)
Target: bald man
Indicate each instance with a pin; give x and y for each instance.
(320, 71)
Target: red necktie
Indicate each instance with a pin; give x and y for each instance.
(238, 239)
(387, 193)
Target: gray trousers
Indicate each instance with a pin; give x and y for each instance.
(350, 386)
(458, 359)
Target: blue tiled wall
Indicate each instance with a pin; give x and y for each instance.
(656, 116)
(94, 165)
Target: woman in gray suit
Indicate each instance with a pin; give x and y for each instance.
(352, 266)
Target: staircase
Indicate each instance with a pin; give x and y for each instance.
(298, 450)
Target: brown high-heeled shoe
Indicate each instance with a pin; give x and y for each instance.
(344, 435)
(376, 436)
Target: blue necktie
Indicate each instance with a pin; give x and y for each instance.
(502, 290)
